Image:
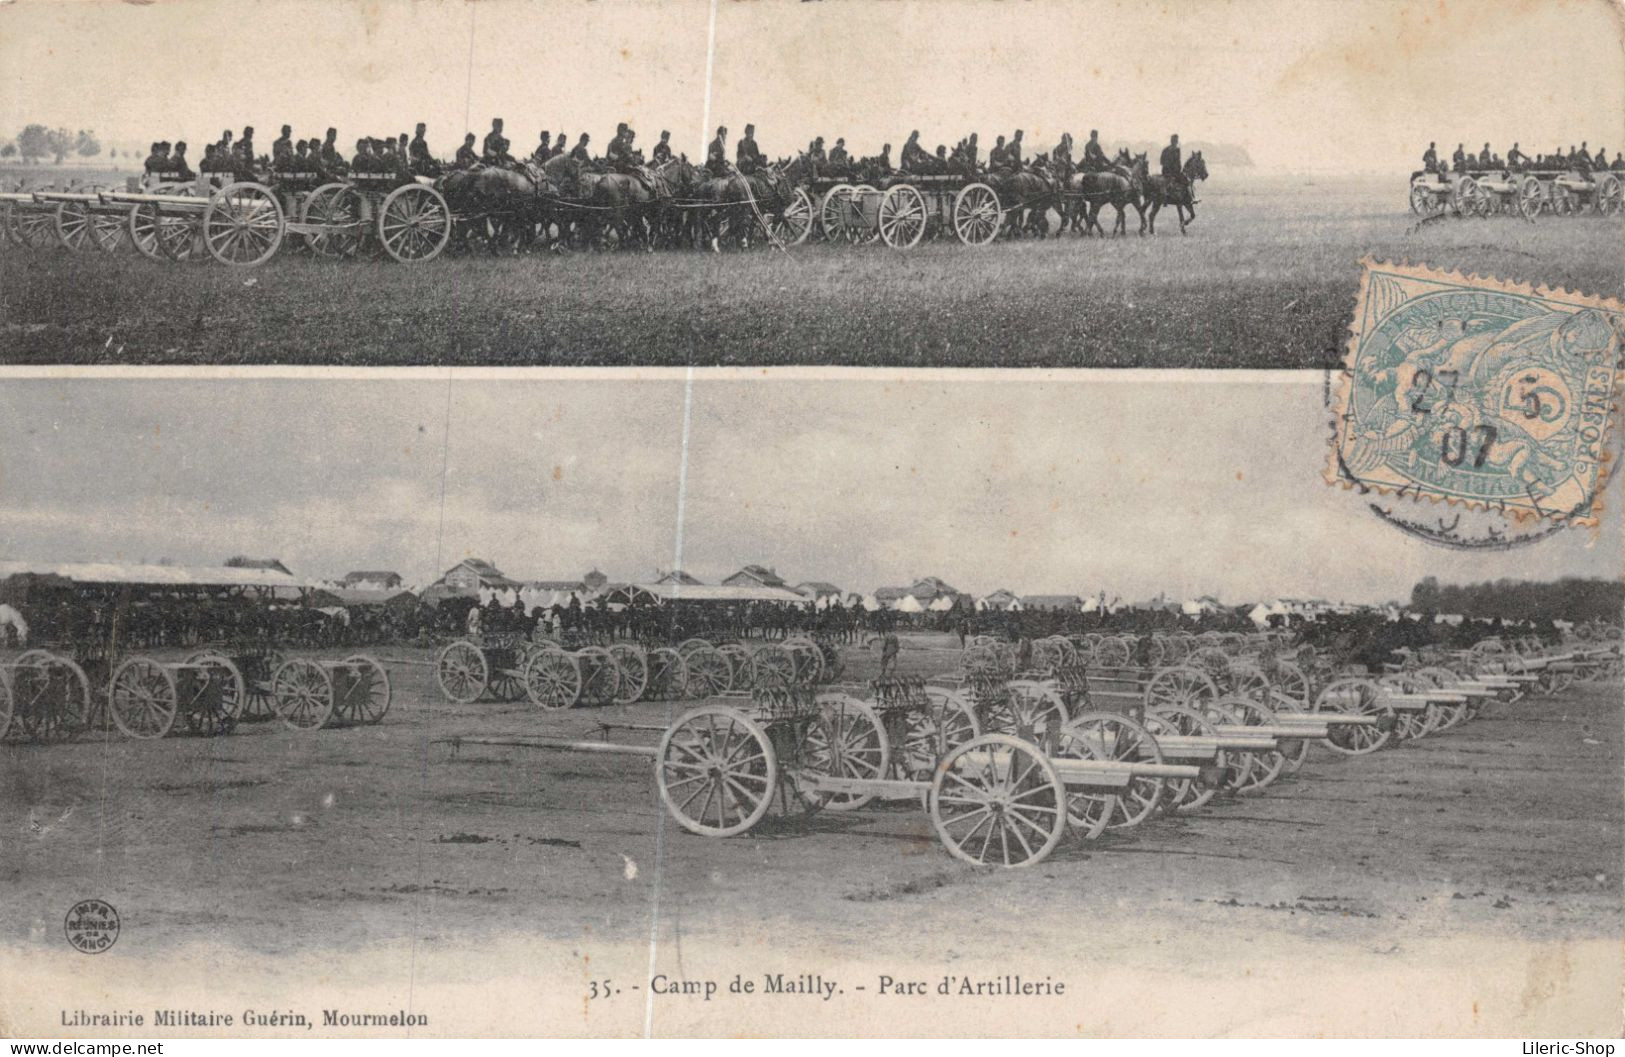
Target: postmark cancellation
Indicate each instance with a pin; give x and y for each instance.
(1474, 391)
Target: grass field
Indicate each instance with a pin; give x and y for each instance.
(1266, 278)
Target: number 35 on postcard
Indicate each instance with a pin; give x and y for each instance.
(1475, 391)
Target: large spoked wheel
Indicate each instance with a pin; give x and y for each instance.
(977, 216)
(214, 694)
(709, 672)
(716, 771)
(302, 693)
(1355, 697)
(772, 666)
(998, 801)
(792, 226)
(1185, 795)
(414, 223)
(902, 217)
(1180, 687)
(741, 673)
(72, 224)
(337, 209)
(1039, 712)
(78, 711)
(935, 732)
(847, 741)
(1451, 713)
(143, 698)
(1610, 196)
(633, 671)
(668, 674)
(1266, 766)
(34, 228)
(367, 694)
(461, 672)
(160, 236)
(243, 224)
(600, 679)
(1530, 197)
(552, 679)
(1110, 736)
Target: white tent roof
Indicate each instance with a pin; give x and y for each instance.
(870, 603)
(941, 604)
(158, 575)
(909, 604)
(720, 593)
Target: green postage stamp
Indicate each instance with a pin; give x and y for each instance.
(1492, 394)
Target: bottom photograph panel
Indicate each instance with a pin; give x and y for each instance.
(785, 704)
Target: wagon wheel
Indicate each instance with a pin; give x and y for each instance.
(1451, 713)
(792, 226)
(847, 741)
(1610, 196)
(107, 231)
(302, 693)
(243, 224)
(1419, 199)
(600, 680)
(6, 706)
(740, 671)
(1530, 198)
(931, 734)
(808, 660)
(632, 669)
(709, 672)
(1185, 795)
(1248, 680)
(1266, 766)
(1183, 686)
(142, 698)
(1290, 684)
(159, 236)
(1408, 723)
(369, 694)
(71, 222)
(716, 771)
(902, 217)
(215, 693)
(668, 674)
(79, 711)
(333, 205)
(552, 678)
(977, 215)
(772, 666)
(1238, 766)
(832, 213)
(1039, 713)
(507, 684)
(1355, 697)
(414, 223)
(998, 801)
(688, 646)
(461, 672)
(1112, 652)
(34, 228)
(1112, 736)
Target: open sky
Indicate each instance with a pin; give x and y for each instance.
(1132, 483)
(1303, 84)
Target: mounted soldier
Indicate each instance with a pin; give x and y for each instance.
(618, 152)
(1485, 157)
(544, 149)
(1062, 154)
(1171, 162)
(747, 156)
(494, 151)
(914, 159)
(1012, 152)
(423, 162)
(1094, 156)
(716, 155)
(579, 152)
(662, 152)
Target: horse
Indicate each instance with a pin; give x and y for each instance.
(498, 207)
(686, 184)
(1116, 187)
(762, 196)
(1161, 191)
(1026, 195)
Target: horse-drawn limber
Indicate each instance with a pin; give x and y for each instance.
(48, 696)
(1525, 193)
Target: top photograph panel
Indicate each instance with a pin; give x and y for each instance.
(963, 183)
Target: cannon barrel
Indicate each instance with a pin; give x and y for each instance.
(136, 198)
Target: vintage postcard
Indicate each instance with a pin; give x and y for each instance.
(1064, 183)
(817, 702)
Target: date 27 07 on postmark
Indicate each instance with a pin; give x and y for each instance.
(1475, 391)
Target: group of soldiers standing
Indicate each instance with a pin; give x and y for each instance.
(1573, 160)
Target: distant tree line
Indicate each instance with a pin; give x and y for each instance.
(37, 141)
(1571, 598)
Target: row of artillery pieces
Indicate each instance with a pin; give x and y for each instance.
(553, 677)
(48, 696)
(1007, 764)
(1525, 194)
(243, 223)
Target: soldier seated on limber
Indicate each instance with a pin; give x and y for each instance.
(839, 160)
(178, 169)
(157, 162)
(544, 149)
(662, 152)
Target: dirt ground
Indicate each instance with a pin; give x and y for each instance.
(270, 847)
(1266, 278)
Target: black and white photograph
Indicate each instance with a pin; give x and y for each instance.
(1064, 183)
(863, 519)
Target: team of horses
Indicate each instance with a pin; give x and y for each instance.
(565, 202)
